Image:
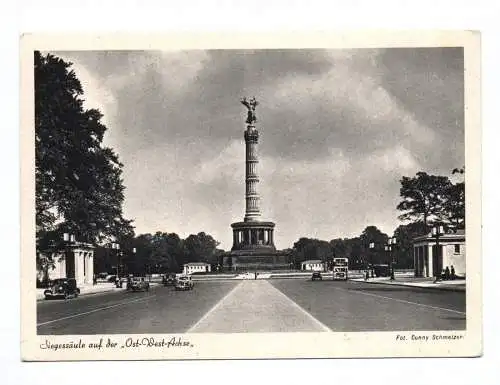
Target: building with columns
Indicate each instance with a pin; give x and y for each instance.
(431, 256)
(77, 261)
(253, 239)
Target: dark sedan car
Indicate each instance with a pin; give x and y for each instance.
(316, 276)
(168, 280)
(137, 284)
(62, 288)
(184, 282)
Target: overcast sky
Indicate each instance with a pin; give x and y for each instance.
(338, 130)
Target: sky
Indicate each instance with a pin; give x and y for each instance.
(338, 130)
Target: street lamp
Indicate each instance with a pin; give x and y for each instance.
(437, 231)
(116, 246)
(372, 249)
(119, 255)
(391, 243)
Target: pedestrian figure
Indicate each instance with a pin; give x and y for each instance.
(367, 275)
(447, 273)
(453, 276)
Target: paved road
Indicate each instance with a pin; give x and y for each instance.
(256, 306)
(161, 310)
(347, 306)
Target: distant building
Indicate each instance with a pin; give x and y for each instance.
(196, 267)
(313, 265)
(428, 259)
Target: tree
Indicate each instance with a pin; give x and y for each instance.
(460, 170)
(340, 247)
(372, 234)
(200, 247)
(310, 249)
(454, 206)
(423, 197)
(79, 188)
(166, 253)
(404, 235)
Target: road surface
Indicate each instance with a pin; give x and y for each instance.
(280, 305)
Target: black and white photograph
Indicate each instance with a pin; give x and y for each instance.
(180, 195)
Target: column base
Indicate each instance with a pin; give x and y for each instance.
(253, 244)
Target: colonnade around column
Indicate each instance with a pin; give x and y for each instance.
(253, 237)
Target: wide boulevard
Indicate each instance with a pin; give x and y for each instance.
(233, 306)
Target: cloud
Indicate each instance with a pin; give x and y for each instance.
(338, 129)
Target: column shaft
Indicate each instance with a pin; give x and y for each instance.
(430, 267)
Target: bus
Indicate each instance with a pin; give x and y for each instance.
(340, 268)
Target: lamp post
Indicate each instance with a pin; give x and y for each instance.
(437, 231)
(116, 246)
(371, 246)
(391, 243)
(134, 251)
(119, 255)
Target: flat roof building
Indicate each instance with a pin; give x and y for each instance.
(431, 255)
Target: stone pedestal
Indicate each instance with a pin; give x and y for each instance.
(253, 245)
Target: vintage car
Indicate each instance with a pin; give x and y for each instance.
(316, 276)
(62, 288)
(137, 284)
(183, 282)
(168, 280)
(119, 282)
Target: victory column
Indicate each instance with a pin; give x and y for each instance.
(253, 239)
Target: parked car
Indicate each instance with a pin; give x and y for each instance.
(316, 276)
(111, 278)
(184, 283)
(137, 284)
(62, 288)
(168, 280)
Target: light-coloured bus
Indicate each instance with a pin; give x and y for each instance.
(340, 268)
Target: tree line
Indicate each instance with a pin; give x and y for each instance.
(161, 252)
(426, 200)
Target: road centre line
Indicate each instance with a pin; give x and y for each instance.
(95, 310)
(404, 301)
(215, 307)
(301, 309)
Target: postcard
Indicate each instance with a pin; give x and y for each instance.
(295, 195)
